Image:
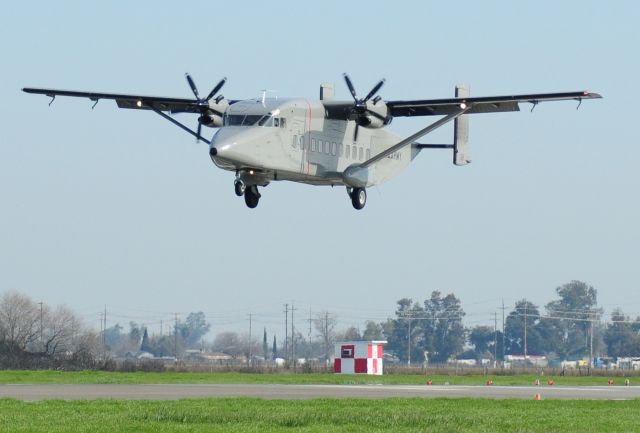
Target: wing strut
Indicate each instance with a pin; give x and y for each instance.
(463, 109)
(180, 125)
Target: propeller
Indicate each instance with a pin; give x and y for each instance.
(203, 103)
(360, 105)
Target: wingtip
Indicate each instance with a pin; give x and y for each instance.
(592, 95)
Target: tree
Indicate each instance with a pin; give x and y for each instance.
(372, 331)
(265, 345)
(274, 348)
(325, 324)
(351, 334)
(229, 343)
(193, 328)
(135, 334)
(404, 332)
(59, 326)
(571, 319)
(145, 346)
(19, 321)
(524, 313)
(482, 338)
(621, 336)
(443, 332)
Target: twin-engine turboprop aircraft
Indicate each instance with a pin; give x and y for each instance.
(318, 142)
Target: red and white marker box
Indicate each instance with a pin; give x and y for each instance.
(359, 357)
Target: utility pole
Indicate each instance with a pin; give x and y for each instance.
(175, 337)
(495, 339)
(409, 344)
(41, 325)
(504, 349)
(286, 332)
(250, 351)
(293, 338)
(309, 338)
(591, 342)
(525, 332)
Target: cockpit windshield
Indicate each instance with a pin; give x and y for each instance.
(267, 120)
(242, 119)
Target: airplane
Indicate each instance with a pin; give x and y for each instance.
(319, 142)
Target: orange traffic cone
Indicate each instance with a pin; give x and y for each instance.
(490, 382)
(550, 382)
(429, 382)
(537, 397)
(610, 382)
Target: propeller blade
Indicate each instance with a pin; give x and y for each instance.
(199, 130)
(355, 133)
(216, 89)
(374, 90)
(350, 86)
(194, 89)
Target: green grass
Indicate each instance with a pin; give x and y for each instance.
(264, 416)
(50, 376)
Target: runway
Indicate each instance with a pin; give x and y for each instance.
(297, 392)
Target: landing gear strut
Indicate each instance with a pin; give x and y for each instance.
(358, 197)
(251, 196)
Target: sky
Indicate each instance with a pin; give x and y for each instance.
(119, 208)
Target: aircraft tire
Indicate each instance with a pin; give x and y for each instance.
(239, 187)
(359, 198)
(251, 197)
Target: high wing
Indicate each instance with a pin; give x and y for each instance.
(486, 104)
(139, 102)
(210, 108)
(444, 107)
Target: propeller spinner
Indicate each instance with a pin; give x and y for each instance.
(203, 103)
(364, 112)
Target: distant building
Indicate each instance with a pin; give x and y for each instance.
(359, 357)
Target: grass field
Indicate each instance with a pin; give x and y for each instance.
(252, 415)
(50, 376)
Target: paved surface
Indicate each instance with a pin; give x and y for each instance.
(175, 391)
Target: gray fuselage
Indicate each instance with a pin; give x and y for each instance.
(291, 139)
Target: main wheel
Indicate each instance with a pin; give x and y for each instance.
(251, 196)
(358, 198)
(239, 187)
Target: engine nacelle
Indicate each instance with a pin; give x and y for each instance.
(211, 120)
(375, 116)
(213, 117)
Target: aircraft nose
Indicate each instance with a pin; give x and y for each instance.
(213, 151)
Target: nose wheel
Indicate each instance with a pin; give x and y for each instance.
(358, 197)
(239, 187)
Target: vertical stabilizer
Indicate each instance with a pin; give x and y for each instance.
(461, 131)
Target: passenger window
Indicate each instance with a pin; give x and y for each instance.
(354, 152)
(360, 154)
(333, 149)
(302, 142)
(294, 141)
(313, 144)
(368, 153)
(276, 122)
(347, 151)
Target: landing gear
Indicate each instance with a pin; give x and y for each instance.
(239, 187)
(251, 196)
(358, 197)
